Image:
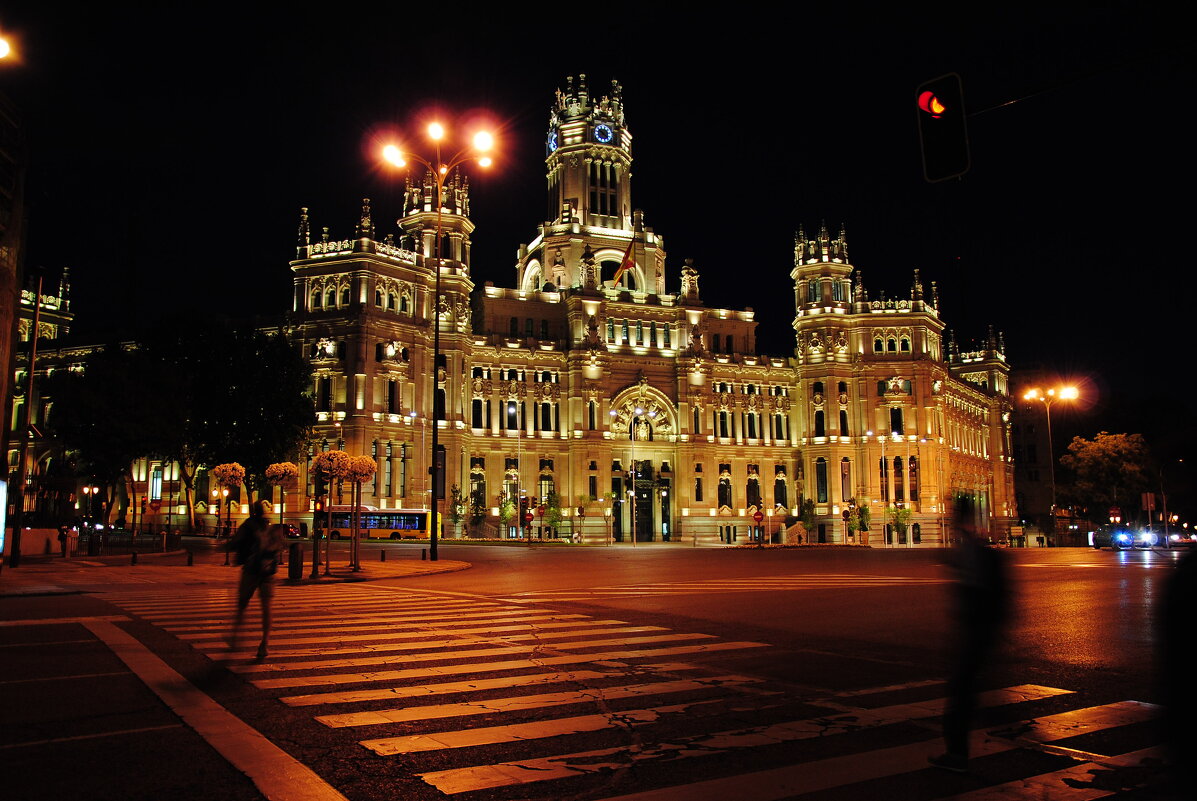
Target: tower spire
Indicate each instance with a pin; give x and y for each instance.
(304, 230)
(365, 226)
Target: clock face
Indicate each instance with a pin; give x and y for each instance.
(603, 133)
(553, 142)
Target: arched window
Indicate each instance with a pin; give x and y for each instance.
(391, 302)
(899, 490)
(344, 296)
(330, 299)
(820, 426)
(843, 422)
(817, 388)
(752, 491)
(316, 299)
(780, 494)
(821, 480)
(905, 345)
(891, 345)
(378, 301)
(878, 345)
(725, 486)
(843, 387)
(404, 303)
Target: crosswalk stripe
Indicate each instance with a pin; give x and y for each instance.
(321, 664)
(534, 770)
(1083, 782)
(827, 774)
(335, 634)
(426, 642)
(526, 702)
(470, 686)
(297, 612)
(531, 618)
(614, 657)
(518, 732)
(284, 622)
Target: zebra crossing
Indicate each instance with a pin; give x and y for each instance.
(486, 697)
(800, 581)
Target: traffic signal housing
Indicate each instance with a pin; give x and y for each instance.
(942, 130)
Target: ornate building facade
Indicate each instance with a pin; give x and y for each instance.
(586, 378)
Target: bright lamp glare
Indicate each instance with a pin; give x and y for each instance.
(436, 131)
(5, 48)
(483, 141)
(1069, 393)
(394, 155)
(485, 161)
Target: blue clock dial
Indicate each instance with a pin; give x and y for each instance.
(603, 133)
(553, 142)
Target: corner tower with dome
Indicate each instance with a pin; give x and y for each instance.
(586, 386)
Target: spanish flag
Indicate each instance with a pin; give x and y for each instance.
(625, 263)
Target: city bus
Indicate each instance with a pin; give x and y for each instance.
(392, 524)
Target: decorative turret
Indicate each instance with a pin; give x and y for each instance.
(689, 292)
(304, 230)
(916, 290)
(365, 226)
(822, 249)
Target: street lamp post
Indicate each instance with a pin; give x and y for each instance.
(482, 143)
(1047, 398)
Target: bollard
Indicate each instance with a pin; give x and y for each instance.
(423, 554)
(163, 542)
(226, 558)
(315, 557)
(382, 555)
(190, 559)
(295, 563)
(134, 560)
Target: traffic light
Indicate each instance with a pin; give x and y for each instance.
(438, 475)
(318, 515)
(942, 130)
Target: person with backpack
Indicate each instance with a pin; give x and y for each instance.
(256, 547)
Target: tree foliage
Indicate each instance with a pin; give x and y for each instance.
(1108, 470)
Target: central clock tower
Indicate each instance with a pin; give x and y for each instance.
(588, 159)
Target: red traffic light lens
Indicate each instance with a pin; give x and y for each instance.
(931, 104)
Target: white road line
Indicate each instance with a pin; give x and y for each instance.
(827, 774)
(519, 703)
(427, 642)
(322, 664)
(486, 667)
(416, 629)
(1082, 782)
(470, 686)
(540, 769)
(276, 773)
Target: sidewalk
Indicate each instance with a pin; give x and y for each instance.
(57, 576)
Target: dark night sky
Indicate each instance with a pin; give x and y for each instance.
(172, 149)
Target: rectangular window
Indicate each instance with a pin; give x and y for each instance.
(668, 336)
(698, 489)
(156, 483)
(592, 486)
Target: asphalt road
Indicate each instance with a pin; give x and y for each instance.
(672, 673)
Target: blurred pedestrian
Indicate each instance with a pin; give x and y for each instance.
(981, 603)
(256, 547)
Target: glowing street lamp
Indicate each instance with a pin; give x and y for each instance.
(439, 169)
(1047, 398)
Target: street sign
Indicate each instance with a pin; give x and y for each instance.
(528, 518)
(758, 517)
(156, 504)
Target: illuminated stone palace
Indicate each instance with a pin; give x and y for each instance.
(650, 410)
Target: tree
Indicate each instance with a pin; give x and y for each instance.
(899, 517)
(457, 506)
(477, 510)
(507, 510)
(1108, 470)
(105, 414)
